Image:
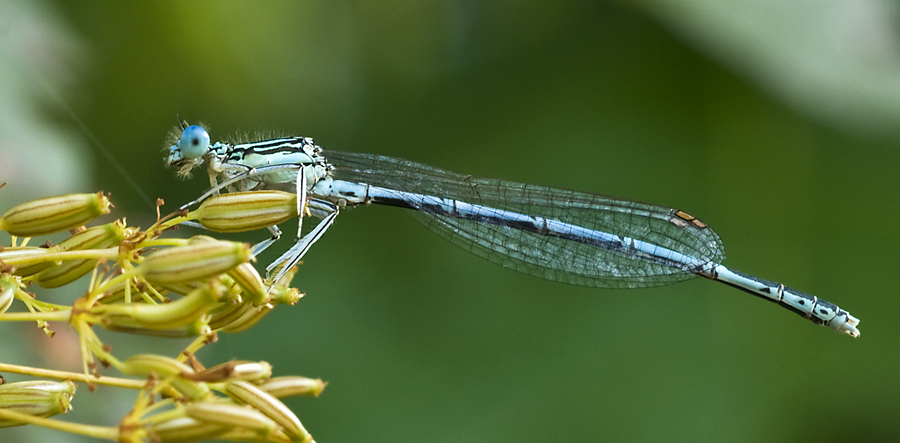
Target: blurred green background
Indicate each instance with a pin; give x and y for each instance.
(777, 124)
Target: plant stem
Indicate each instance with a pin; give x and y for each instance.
(63, 375)
(37, 316)
(104, 432)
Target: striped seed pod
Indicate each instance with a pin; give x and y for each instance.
(26, 260)
(273, 408)
(226, 313)
(98, 237)
(38, 398)
(242, 278)
(194, 329)
(143, 365)
(186, 430)
(288, 386)
(249, 317)
(54, 214)
(250, 282)
(182, 312)
(237, 370)
(182, 288)
(244, 319)
(245, 211)
(194, 262)
(231, 416)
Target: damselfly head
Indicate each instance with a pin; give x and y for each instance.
(194, 142)
(189, 149)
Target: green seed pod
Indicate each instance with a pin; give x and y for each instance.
(195, 262)
(173, 315)
(288, 386)
(143, 365)
(115, 293)
(186, 430)
(226, 313)
(238, 320)
(194, 329)
(273, 408)
(54, 214)
(249, 318)
(250, 282)
(26, 260)
(232, 294)
(246, 211)
(230, 290)
(98, 237)
(238, 370)
(182, 288)
(38, 398)
(231, 416)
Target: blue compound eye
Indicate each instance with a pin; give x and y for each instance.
(194, 142)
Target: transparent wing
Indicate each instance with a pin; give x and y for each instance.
(543, 256)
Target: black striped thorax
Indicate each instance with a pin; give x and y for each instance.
(280, 151)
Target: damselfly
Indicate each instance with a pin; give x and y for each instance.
(560, 235)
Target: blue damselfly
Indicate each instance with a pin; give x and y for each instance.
(560, 235)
